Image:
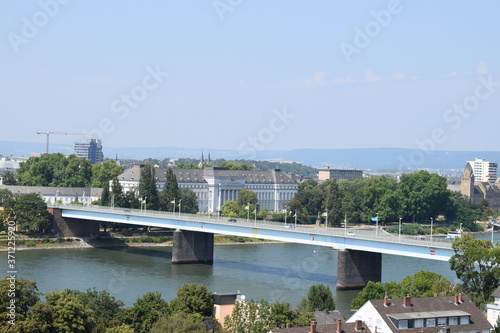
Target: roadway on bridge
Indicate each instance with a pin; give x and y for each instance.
(355, 238)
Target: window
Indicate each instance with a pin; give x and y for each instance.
(418, 323)
(453, 321)
(441, 321)
(464, 320)
(402, 324)
(430, 322)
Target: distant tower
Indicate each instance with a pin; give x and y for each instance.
(484, 171)
(90, 149)
(467, 181)
(209, 160)
(202, 161)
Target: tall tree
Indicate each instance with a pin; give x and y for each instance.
(245, 197)
(148, 191)
(145, 312)
(9, 178)
(320, 297)
(30, 212)
(250, 317)
(170, 193)
(179, 323)
(102, 173)
(193, 299)
(332, 203)
(476, 263)
(188, 200)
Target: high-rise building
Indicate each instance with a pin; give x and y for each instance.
(484, 171)
(90, 149)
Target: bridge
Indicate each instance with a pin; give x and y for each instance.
(360, 249)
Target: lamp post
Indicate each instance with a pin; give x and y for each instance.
(112, 201)
(295, 219)
(492, 229)
(345, 225)
(180, 202)
(173, 209)
(286, 211)
(432, 225)
(400, 230)
(218, 208)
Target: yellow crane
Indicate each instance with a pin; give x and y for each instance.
(48, 134)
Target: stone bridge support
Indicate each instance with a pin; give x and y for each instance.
(191, 247)
(68, 227)
(356, 268)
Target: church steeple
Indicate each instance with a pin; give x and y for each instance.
(202, 161)
(209, 160)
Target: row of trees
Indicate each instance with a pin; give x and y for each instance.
(59, 170)
(417, 197)
(98, 311)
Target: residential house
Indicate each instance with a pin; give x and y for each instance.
(422, 315)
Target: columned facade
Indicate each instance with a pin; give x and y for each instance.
(214, 186)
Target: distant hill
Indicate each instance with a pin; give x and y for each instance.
(362, 158)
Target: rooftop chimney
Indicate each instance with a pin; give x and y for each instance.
(407, 301)
(386, 301)
(357, 325)
(460, 297)
(455, 299)
(313, 327)
(339, 325)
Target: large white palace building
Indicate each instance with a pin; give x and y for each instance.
(213, 186)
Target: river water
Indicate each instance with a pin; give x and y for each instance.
(274, 272)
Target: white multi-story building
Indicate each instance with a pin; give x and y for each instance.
(213, 186)
(484, 171)
(339, 174)
(427, 314)
(53, 195)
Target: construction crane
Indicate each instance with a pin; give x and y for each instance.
(48, 134)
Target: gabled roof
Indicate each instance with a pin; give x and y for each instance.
(496, 293)
(331, 328)
(53, 191)
(432, 307)
(199, 175)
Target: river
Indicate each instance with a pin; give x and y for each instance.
(275, 272)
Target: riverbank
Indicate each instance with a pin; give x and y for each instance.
(77, 243)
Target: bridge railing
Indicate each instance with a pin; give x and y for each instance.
(365, 233)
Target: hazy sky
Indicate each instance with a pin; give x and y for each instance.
(240, 74)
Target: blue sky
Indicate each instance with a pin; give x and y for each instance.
(240, 74)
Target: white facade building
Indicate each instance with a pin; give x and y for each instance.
(53, 195)
(426, 314)
(484, 171)
(493, 310)
(213, 186)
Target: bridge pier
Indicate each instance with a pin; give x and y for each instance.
(191, 247)
(355, 268)
(69, 227)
